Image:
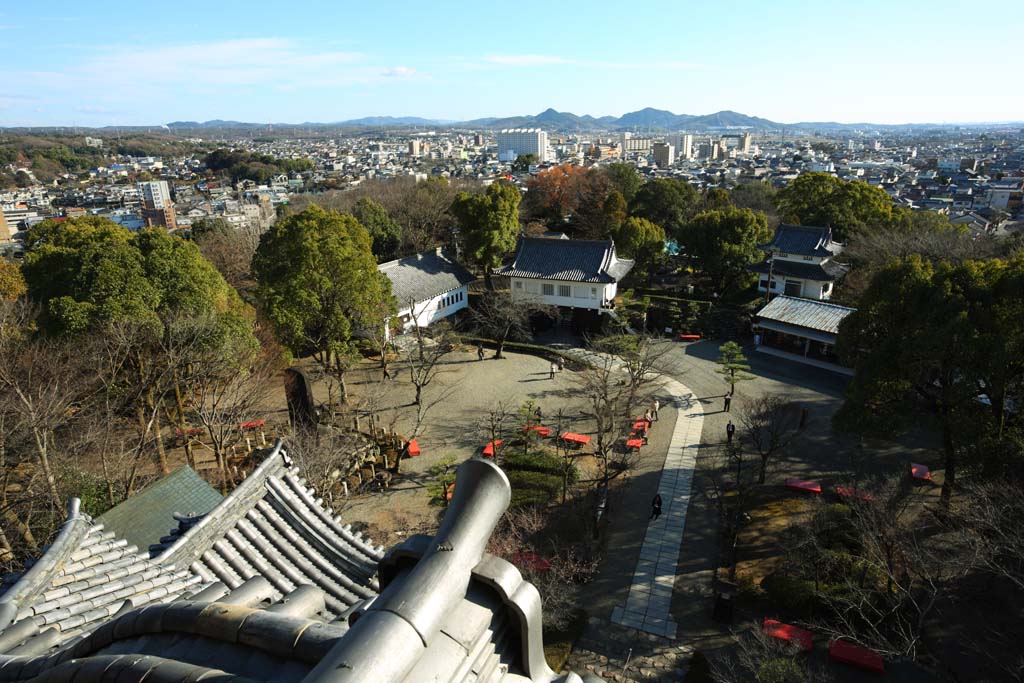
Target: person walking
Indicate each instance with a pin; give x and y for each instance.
(654, 409)
(730, 429)
(387, 372)
(655, 507)
(480, 351)
(554, 369)
(728, 403)
(561, 364)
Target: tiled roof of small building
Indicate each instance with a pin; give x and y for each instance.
(803, 240)
(807, 313)
(829, 271)
(423, 276)
(567, 260)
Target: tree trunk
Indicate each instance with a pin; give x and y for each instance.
(487, 279)
(949, 451)
(44, 463)
(182, 424)
(500, 347)
(419, 391)
(23, 529)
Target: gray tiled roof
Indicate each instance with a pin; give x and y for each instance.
(807, 313)
(829, 271)
(423, 276)
(568, 260)
(146, 516)
(804, 240)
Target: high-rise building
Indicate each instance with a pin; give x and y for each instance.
(414, 148)
(157, 207)
(744, 145)
(683, 142)
(516, 142)
(478, 140)
(664, 154)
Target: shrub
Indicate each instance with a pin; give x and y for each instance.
(780, 670)
(790, 594)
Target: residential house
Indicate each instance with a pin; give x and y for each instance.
(428, 287)
(800, 262)
(576, 274)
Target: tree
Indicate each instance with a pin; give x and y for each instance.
(556, 193)
(642, 240)
(523, 163)
(770, 423)
(624, 178)
(12, 283)
(385, 232)
(501, 317)
(319, 285)
(726, 244)
(715, 199)
(489, 224)
(666, 202)
(732, 365)
(848, 207)
(424, 358)
(756, 196)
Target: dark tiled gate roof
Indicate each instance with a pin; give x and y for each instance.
(567, 260)
(423, 276)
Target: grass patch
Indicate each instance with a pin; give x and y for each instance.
(558, 642)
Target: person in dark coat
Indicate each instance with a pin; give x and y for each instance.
(656, 507)
(480, 351)
(730, 429)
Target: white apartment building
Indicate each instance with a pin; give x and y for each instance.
(155, 194)
(683, 142)
(516, 142)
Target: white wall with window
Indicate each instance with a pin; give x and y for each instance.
(592, 295)
(441, 306)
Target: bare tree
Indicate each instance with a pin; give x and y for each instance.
(758, 657)
(494, 425)
(501, 317)
(424, 357)
(770, 423)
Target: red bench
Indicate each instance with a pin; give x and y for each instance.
(788, 633)
(247, 426)
(855, 655)
(689, 337)
(803, 485)
(450, 491)
(533, 561)
(413, 448)
(541, 431)
(920, 472)
(489, 448)
(641, 426)
(577, 439)
(634, 444)
(847, 493)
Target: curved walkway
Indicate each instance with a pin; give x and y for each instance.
(649, 602)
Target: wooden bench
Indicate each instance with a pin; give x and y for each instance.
(794, 635)
(920, 472)
(489, 448)
(855, 655)
(803, 486)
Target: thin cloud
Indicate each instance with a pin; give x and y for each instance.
(527, 60)
(399, 72)
(554, 60)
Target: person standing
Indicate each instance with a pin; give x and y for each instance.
(554, 369)
(480, 351)
(561, 364)
(654, 409)
(655, 507)
(757, 339)
(730, 429)
(728, 403)
(387, 371)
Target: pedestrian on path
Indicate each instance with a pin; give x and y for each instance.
(554, 369)
(387, 372)
(656, 507)
(648, 417)
(728, 403)
(654, 409)
(561, 364)
(730, 429)
(480, 351)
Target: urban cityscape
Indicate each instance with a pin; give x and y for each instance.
(323, 359)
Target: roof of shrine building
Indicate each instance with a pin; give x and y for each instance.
(270, 585)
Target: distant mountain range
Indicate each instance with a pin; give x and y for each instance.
(644, 120)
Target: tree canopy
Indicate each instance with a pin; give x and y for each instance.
(385, 233)
(666, 202)
(848, 207)
(725, 242)
(624, 179)
(489, 224)
(642, 240)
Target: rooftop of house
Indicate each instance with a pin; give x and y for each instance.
(811, 314)
(270, 585)
(421, 277)
(567, 260)
(803, 240)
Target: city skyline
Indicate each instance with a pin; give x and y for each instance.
(126, 64)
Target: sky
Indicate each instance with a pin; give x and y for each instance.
(147, 63)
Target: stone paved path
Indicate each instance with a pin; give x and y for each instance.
(649, 602)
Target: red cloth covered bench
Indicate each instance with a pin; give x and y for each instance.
(414, 448)
(803, 485)
(542, 431)
(846, 493)
(532, 561)
(634, 444)
(641, 426)
(489, 448)
(450, 491)
(855, 655)
(920, 472)
(252, 425)
(793, 635)
(577, 439)
(689, 337)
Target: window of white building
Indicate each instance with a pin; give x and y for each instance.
(549, 290)
(564, 291)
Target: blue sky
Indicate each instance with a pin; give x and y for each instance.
(120, 63)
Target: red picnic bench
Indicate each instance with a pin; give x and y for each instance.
(689, 337)
(634, 444)
(576, 439)
(847, 493)
(641, 426)
(920, 472)
(803, 485)
(450, 491)
(255, 424)
(855, 655)
(489, 448)
(794, 635)
(533, 561)
(541, 431)
(413, 448)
